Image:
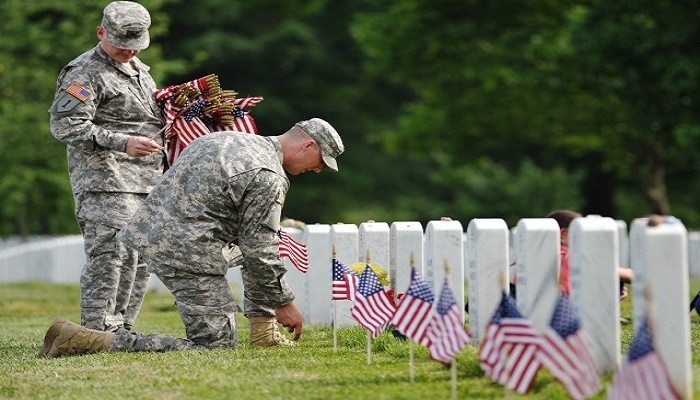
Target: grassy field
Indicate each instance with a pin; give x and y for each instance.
(313, 370)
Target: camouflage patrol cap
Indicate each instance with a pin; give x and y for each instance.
(126, 24)
(327, 139)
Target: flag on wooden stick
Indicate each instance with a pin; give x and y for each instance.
(565, 354)
(344, 281)
(447, 333)
(508, 353)
(415, 310)
(373, 309)
(644, 375)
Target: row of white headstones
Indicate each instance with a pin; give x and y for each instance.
(489, 250)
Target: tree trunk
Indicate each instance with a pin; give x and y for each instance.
(651, 174)
(598, 190)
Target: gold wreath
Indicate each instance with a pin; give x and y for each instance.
(383, 276)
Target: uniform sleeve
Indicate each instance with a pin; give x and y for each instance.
(72, 119)
(260, 211)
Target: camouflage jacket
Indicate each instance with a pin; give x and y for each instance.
(225, 188)
(113, 102)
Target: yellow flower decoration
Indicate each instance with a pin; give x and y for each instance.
(383, 276)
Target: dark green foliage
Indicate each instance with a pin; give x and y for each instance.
(453, 108)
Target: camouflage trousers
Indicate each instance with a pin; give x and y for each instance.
(206, 306)
(113, 281)
(233, 256)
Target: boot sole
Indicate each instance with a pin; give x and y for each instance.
(51, 335)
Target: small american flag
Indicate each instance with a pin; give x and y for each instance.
(415, 311)
(446, 332)
(644, 375)
(565, 353)
(372, 308)
(508, 353)
(344, 282)
(296, 252)
(78, 91)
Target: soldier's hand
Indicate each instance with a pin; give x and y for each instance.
(138, 146)
(290, 317)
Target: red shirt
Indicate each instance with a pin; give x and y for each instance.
(564, 282)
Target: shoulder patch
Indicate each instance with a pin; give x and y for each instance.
(69, 98)
(78, 92)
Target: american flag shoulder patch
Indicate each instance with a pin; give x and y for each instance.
(78, 92)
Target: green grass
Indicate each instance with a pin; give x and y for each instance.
(313, 370)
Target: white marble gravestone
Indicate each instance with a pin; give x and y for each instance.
(344, 238)
(374, 239)
(537, 269)
(594, 261)
(659, 256)
(444, 242)
(623, 242)
(694, 254)
(316, 303)
(487, 271)
(405, 244)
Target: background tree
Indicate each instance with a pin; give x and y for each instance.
(644, 53)
(588, 87)
(453, 108)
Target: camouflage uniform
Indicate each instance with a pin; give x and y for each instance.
(114, 102)
(225, 188)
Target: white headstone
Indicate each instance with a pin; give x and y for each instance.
(344, 237)
(593, 264)
(537, 269)
(623, 242)
(660, 264)
(405, 243)
(638, 263)
(694, 254)
(374, 239)
(444, 242)
(487, 271)
(318, 289)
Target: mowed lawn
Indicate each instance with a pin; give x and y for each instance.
(313, 370)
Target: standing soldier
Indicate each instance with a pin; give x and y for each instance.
(105, 112)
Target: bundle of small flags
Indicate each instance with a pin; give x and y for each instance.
(200, 106)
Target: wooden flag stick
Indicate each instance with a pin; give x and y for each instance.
(335, 323)
(453, 373)
(369, 334)
(502, 280)
(369, 347)
(453, 363)
(411, 372)
(335, 312)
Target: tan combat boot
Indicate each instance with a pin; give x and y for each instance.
(264, 332)
(65, 338)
